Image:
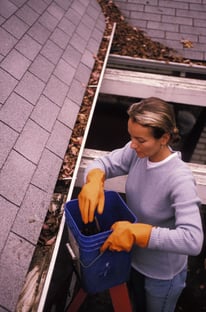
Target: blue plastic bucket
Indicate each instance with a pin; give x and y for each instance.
(100, 271)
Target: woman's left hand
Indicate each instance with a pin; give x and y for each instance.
(125, 234)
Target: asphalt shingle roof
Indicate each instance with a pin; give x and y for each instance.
(46, 57)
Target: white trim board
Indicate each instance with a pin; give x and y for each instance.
(143, 85)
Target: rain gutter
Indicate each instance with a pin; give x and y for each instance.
(72, 185)
(156, 66)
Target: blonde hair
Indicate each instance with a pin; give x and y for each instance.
(156, 114)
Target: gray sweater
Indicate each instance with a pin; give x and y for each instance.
(164, 196)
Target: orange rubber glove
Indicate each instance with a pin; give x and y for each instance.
(125, 234)
(91, 196)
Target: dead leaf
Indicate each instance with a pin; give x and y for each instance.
(187, 44)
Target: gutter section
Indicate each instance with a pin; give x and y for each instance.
(72, 185)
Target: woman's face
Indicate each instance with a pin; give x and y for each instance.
(144, 143)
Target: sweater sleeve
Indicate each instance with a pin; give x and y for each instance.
(187, 236)
(116, 163)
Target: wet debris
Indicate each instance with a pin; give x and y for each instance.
(29, 291)
(30, 294)
(51, 225)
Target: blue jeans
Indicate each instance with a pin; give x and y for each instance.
(154, 295)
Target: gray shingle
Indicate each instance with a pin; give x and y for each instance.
(192, 30)
(156, 33)
(52, 51)
(31, 214)
(56, 11)
(192, 14)
(177, 19)
(30, 87)
(68, 113)
(7, 8)
(174, 4)
(15, 26)
(32, 141)
(73, 16)
(56, 90)
(147, 16)
(84, 31)
(202, 39)
(45, 113)
(199, 22)
(8, 213)
(67, 26)
(16, 64)
(97, 34)
(49, 21)
(2, 20)
(28, 15)
(165, 26)
(157, 10)
(88, 59)
(9, 291)
(39, 33)
(93, 12)
(18, 3)
(84, 2)
(72, 56)
(95, 4)
(5, 143)
(17, 250)
(21, 110)
(15, 177)
(7, 84)
(93, 45)
(195, 55)
(38, 6)
(177, 36)
(7, 41)
(76, 92)
(83, 74)
(65, 72)
(46, 175)
(28, 47)
(42, 68)
(89, 20)
(60, 38)
(79, 7)
(59, 139)
(78, 42)
(65, 4)
(100, 23)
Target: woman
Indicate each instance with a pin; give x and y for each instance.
(160, 190)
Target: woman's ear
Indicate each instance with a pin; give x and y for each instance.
(165, 139)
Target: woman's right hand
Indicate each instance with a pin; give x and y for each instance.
(91, 196)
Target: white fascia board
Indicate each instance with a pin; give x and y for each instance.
(143, 85)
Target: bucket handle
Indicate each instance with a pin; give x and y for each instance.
(92, 262)
(71, 251)
(74, 257)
